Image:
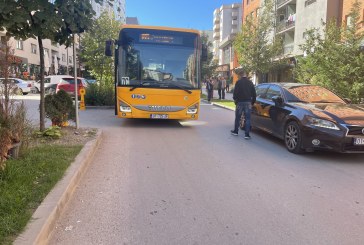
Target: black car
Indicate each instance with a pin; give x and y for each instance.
(308, 118)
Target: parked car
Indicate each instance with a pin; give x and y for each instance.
(308, 118)
(50, 83)
(17, 85)
(68, 85)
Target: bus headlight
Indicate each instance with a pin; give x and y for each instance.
(192, 109)
(124, 107)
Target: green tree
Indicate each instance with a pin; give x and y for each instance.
(25, 19)
(209, 66)
(42, 19)
(333, 57)
(93, 48)
(255, 45)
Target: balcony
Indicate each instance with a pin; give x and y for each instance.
(234, 23)
(235, 6)
(284, 26)
(234, 31)
(216, 19)
(216, 35)
(234, 15)
(216, 27)
(288, 49)
(281, 3)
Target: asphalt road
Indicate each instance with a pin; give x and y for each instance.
(170, 182)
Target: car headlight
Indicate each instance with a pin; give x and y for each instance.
(192, 109)
(317, 122)
(124, 107)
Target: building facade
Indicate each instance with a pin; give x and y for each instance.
(58, 58)
(226, 24)
(117, 8)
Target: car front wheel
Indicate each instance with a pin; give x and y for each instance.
(293, 138)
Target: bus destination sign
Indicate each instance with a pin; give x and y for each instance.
(150, 38)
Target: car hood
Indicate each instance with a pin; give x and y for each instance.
(341, 113)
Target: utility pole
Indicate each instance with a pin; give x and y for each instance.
(75, 76)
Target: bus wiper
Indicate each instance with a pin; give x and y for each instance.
(183, 88)
(138, 86)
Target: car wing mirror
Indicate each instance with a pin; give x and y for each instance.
(347, 100)
(278, 100)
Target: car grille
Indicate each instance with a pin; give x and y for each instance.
(355, 130)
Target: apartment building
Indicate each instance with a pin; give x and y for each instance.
(58, 58)
(117, 8)
(346, 8)
(226, 24)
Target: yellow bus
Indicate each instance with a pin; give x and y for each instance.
(157, 72)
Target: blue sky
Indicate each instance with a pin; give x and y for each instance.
(191, 14)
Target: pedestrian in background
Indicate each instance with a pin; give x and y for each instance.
(223, 87)
(244, 97)
(219, 86)
(228, 82)
(209, 88)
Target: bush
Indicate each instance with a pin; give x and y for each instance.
(100, 95)
(14, 127)
(59, 108)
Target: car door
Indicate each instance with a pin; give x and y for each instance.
(258, 108)
(277, 112)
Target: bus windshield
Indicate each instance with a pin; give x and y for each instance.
(158, 59)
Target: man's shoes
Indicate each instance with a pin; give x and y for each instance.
(234, 132)
(247, 137)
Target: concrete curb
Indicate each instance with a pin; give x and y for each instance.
(43, 220)
(218, 105)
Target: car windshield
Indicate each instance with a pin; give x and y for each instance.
(311, 94)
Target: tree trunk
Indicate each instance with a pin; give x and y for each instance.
(42, 92)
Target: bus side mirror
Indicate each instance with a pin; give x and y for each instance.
(204, 53)
(108, 46)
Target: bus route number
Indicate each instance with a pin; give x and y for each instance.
(125, 81)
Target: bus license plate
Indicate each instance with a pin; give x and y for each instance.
(159, 116)
(358, 141)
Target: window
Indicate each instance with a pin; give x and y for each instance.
(273, 91)
(309, 2)
(19, 44)
(247, 2)
(70, 59)
(261, 90)
(34, 48)
(63, 58)
(348, 20)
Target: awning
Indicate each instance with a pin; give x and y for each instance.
(225, 67)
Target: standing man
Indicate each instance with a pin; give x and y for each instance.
(209, 88)
(244, 97)
(223, 87)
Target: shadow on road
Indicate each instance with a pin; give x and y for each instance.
(150, 123)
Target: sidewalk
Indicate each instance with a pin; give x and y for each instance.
(228, 96)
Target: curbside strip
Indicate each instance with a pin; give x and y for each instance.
(44, 219)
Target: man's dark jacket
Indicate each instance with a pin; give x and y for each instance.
(244, 91)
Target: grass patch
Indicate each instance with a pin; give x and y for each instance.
(227, 103)
(26, 182)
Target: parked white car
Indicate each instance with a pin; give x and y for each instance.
(50, 83)
(17, 85)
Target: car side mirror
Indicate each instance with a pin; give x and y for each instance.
(278, 100)
(108, 46)
(347, 100)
